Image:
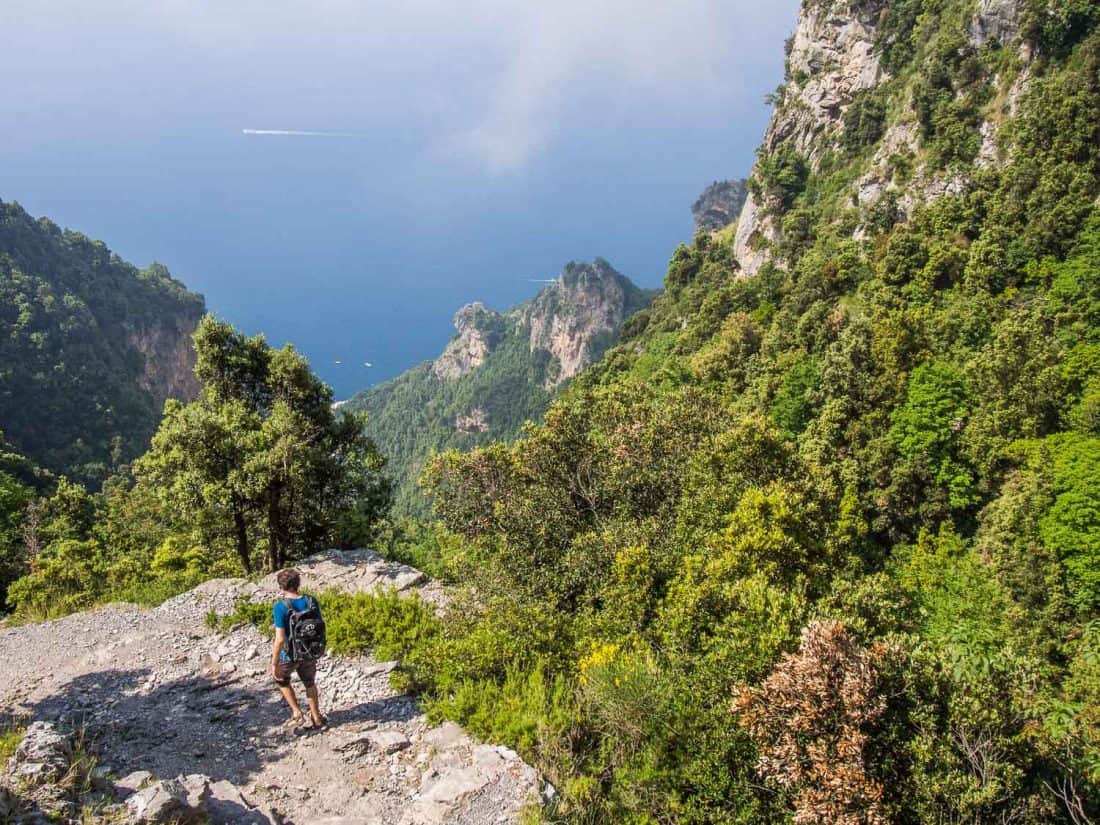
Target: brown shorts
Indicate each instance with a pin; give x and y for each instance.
(307, 672)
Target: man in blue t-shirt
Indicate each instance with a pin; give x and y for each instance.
(281, 664)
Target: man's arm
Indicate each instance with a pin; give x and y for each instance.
(277, 647)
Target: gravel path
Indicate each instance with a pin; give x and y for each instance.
(160, 692)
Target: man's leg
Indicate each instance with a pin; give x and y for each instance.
(314, 697)
(282, 679)
(292, 700)
(308, 673)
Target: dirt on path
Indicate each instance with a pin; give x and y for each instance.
(158, 691)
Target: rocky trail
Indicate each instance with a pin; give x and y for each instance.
(186, 725)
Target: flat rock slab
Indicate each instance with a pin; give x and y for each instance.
(351, 571)
(387, 741)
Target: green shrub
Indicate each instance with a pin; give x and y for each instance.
(11, 734)
(387, 625)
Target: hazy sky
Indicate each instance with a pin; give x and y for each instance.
(476, 144)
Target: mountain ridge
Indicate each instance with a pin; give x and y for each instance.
(499, 370)
(93, 346)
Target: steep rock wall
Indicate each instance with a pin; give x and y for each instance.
(834, 59)
(169, 358)
(478, 331)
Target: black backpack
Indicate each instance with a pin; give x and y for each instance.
(305, 639)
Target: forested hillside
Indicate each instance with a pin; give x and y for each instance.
(500, 370)
(819, 540)
(90, 347)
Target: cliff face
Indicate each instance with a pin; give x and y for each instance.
(479, 331)
(500, 370)
(719, 205)
(574, 318)
(831, 59)
(840, 97)
(168, 356)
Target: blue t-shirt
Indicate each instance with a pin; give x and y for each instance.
(281, 614)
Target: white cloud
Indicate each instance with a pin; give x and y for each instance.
(685, 49)
(492, 79)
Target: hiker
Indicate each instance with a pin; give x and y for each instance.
(299, 642)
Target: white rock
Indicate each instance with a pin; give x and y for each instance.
(163, 801)
(387, 741)
(42, 756)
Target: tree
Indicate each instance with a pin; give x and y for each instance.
(261, 462)
(809, 719)
(14, 500)
(926, 429)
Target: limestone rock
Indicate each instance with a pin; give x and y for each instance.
(475, 421)
(582, 309)
(169, 357)
(719, 205)
(351, 571)
(223, 802)
(754, 232)
(479, 331)
(832, 58)
(132, 783)
(445, 736)
(164, 801)
(387, 741)
(995, 20)
(42, 756)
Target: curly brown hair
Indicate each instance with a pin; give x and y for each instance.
(289, 579)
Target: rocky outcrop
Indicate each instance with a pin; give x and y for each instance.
(164, 801)
(169, 358)
(997, 20)
(42, 756)
(583, 307)
(479, 329)
(475, 421)
(755, 231)
(832, 58)
(500, 371)
(719, 205)
(186, 716)
(37, 776)
(582, 310)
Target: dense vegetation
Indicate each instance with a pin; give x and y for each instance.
(72, 394)
(413, 415)
(256, 473)
(418, 414)
(822, 545)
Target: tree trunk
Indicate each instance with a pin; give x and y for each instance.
(241, 531)
(276, 546)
